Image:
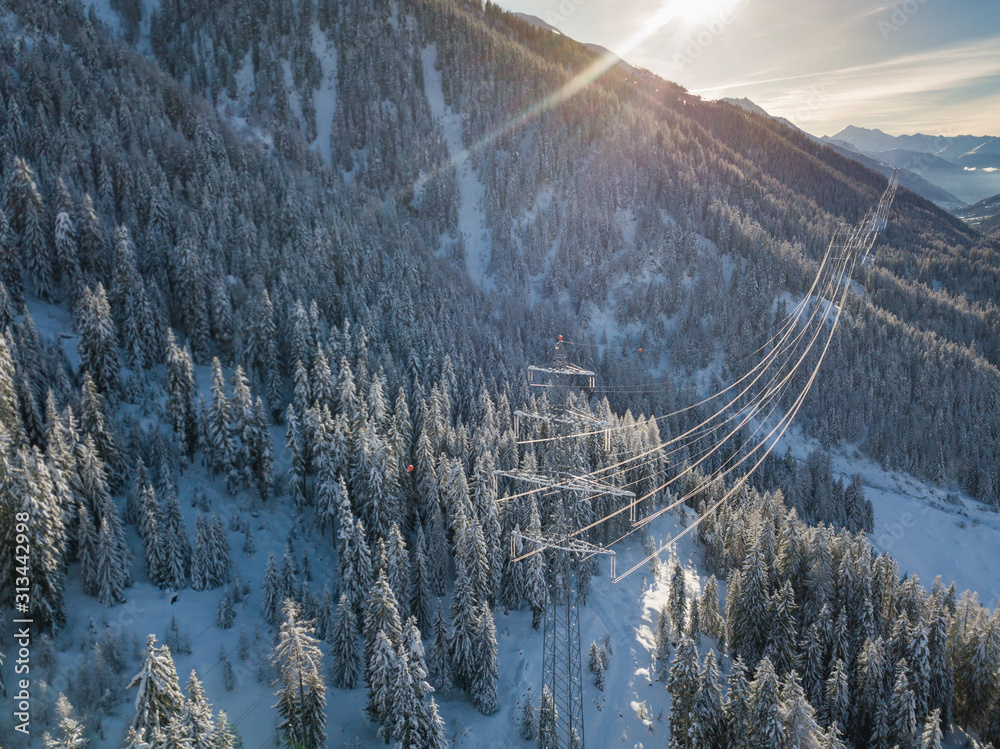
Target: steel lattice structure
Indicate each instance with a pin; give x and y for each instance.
(562, 663)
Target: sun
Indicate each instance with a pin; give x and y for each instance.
(693, 13)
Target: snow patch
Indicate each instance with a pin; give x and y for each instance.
(472, 224)
(325, 99)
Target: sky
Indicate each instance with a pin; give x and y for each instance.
(930, 66)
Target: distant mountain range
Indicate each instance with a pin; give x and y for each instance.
(909, 179)
(951, 171)
(967, 166)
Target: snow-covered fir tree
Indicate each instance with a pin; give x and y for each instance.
(346, 655)
(70, 733)
(159, 698)
(301, 691)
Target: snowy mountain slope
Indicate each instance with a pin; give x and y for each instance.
(984, 215)
(473, 239)
(515, 163)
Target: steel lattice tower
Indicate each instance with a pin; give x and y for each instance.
(562, 663)
(562, 669)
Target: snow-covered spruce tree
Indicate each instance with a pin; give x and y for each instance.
(301, 691)
(196, 716)
(596, 662)
(346, 665)
(344, 513)
(225, 736)
(26, 493)
(881, 737)
(781, 646)
(766, 730)
(942, 688)
(199, 560)
(381, 615)
(211, 564)
(274, 593)
(707, 709)
(373, 490)
(437, 548)
(381, 671)
(10, 410)
(413, 648)
(548, 717)
(991, 733)
(147, 513)
(27, 214)
(661, 651)
(439, 656)
(331, 511)
(67, 257)
(225, 613)
(130, 305)
(86, 550)
(261, 452)
(485, 678)
(420, 594)
(181, 392)
(682, 683)
(404, 721)
(869, 687)
(836, 692)
(901, 713)
(159, 699)
(798, 719)
(512, 577)
(325, 617)
(984, 665)
(91, 486)
(98, 343)
(71, 731)
(11, 277)
(527, 720)
(221, 444)
(811, 662)
(464, 620)
(736, 707)
(678, 600)
(188, 280)
(931, 737)
(111, 567)
(92, 423)
(357, 575)
(435, 736)
(177, 546)
(297, 470)
(709, 615)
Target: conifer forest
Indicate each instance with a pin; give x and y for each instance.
(295, 448)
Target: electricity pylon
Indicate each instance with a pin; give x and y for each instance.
(564, 550)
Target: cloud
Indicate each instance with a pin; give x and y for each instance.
(933, 86)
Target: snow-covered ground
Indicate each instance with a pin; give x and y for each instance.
(472, 225)
(325, 99)
(929, 530)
